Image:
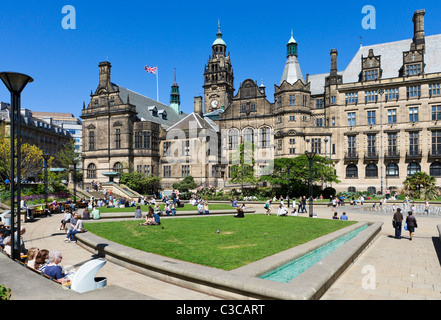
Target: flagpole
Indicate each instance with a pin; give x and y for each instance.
(157, 84)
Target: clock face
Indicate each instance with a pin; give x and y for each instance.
(214, 103)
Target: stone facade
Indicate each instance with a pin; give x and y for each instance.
(378, 119)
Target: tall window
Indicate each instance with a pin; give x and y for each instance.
(413, 114)
(436, 112)
(392, 144)
(248, 135)
(436, 142)
(371, 117)
(185, 170)
(371, 143)
(351, 119)
(233, 139)
(316, 145)
(91, 171)
(292, 100)
(392, 116)
(146, 136)
(138, 140)
(413, 143)
(91, 140)
(351, 146)
(167, 171)
(118, 139)
(186, 147)
(166, 148)
(264, 138)
(319, 104)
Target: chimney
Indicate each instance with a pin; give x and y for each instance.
(105, 74)
(334, 61)
(198, 105)
(418, 29)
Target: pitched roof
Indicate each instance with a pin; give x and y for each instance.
(194, 119)
(145, 106)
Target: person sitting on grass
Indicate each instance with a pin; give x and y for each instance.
(240, 211)
(282, 211)
(344, 216)
(152, 218)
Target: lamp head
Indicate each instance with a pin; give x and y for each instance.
(15, 82)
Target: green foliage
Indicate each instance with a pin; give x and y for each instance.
(140, 182)
(185, 184)
(5, 293)
(291, 175)
(243, 171)
(239, 242)
(420, 185)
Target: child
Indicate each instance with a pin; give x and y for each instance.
(167, 209)
(173, 209)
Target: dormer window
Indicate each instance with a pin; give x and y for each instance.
(163, 114)
(371, 67)
(154, 111)
(413, 69)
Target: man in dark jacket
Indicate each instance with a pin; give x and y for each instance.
(397, 223)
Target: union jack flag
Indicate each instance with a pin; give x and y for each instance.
(150, 69)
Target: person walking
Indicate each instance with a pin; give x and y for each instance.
(397, 223)
(411, 224)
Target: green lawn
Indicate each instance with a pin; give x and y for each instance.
(187, 207)
(240, 241)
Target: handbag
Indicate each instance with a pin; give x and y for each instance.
(394, 223)
(405, 226)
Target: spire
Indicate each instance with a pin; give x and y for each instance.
(292, 71)
(175, 100)
(291, 46)
(219, 40)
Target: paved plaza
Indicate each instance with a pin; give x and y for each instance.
(388, 269)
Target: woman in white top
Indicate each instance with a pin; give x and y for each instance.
(72, 232)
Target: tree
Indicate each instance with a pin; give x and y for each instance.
(292, 174)
(31, 158)
(243, 171)
(185, 184)
(420, 185)
(66, 157)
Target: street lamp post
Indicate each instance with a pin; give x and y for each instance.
(45, 158)
(15, 82)
(310, 155)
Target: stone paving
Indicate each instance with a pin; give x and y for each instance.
(388, 269)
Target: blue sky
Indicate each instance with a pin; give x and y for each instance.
(179, 34)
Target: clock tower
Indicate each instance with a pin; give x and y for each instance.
(218, 77)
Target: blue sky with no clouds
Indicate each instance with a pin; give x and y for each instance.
(179, 34)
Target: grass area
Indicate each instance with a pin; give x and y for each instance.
(187, 207)
(239, 242)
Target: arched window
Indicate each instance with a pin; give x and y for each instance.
(352, 189)
(351, 171)
(392, 170)
(371, 170)
(248, 135)
(118, 167)
(233, 139)
(412, 168)
(371, 190)
(435, 169)
(91, 171)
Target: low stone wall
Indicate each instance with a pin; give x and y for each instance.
(242, 283)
